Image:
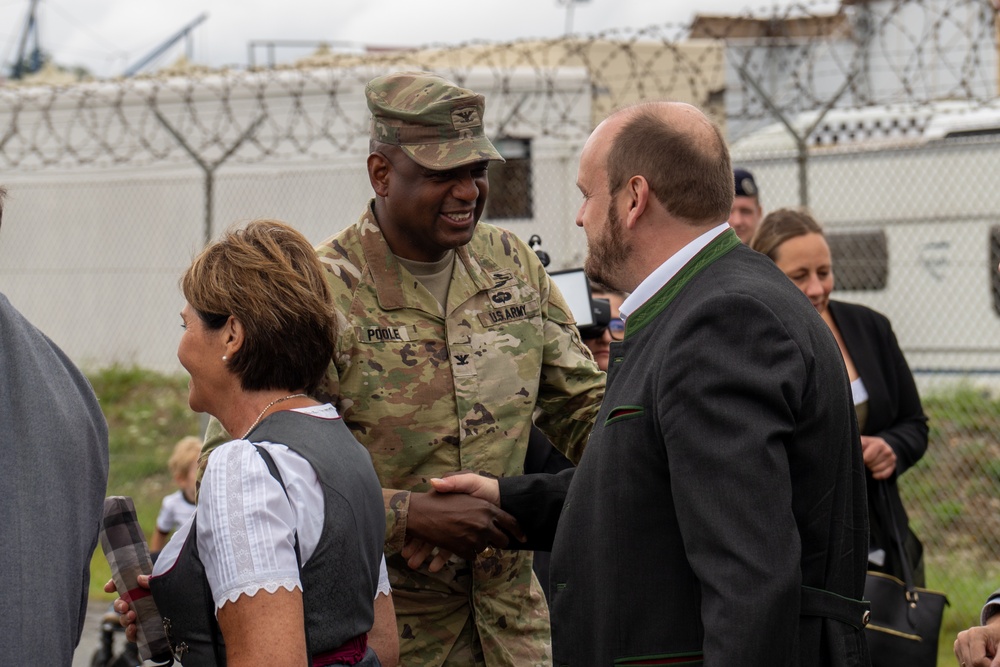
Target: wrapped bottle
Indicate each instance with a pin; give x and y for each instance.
(125, 548)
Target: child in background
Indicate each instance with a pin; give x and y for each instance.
(179, 505)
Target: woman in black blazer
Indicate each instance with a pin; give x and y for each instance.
(892, 422)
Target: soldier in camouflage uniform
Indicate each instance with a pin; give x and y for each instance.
(451, 337)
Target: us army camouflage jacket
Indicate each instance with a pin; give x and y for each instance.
(428, 393)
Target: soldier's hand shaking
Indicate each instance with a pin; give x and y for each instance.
(458, 522)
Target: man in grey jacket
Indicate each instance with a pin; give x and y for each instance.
(54, 460)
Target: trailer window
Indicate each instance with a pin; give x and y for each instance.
(510, 181)
(860, 259)
(992, 268)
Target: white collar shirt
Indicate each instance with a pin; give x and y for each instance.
(666, 271)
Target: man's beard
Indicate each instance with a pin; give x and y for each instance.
(608, 254)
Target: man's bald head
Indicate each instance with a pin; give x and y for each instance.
(680, 153)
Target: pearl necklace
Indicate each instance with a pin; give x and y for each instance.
(268, 407)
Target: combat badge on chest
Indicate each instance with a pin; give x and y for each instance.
(510, 301)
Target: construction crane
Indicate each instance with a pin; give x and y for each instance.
(158, 51)
(26, 63)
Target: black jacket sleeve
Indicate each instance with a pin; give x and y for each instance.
(536, 502)
(894, 409)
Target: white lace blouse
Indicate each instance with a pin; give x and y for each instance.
(248, 525)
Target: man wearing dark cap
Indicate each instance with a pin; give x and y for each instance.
(451, 336)
(747, 212)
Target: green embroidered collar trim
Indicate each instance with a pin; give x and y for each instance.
(648, 311)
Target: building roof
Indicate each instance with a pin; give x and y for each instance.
(707, 26)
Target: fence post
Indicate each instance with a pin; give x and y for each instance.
(208, 168)
(802, 158)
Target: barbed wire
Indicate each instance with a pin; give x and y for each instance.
(748, 70)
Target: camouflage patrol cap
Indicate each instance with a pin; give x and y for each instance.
(438, 124)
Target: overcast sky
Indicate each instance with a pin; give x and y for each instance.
(107, 36)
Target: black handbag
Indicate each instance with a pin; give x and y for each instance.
(905, 620)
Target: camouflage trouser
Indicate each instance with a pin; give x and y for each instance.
(490, 615)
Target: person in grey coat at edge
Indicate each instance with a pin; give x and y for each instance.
(718, 514)
(55, 474)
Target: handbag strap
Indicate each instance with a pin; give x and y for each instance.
(889, 518)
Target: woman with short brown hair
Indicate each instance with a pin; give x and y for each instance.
(280, 564)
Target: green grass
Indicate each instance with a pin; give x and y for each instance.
(147, 414)
(952, 499)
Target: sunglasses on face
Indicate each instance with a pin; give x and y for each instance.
(617, 328)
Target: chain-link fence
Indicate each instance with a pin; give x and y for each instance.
(880, 116)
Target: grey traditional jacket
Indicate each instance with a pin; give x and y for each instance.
(54, 459)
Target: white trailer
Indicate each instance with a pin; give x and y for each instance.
(911, 200)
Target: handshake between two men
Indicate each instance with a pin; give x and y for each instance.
(450, 520)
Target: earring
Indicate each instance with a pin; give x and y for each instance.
(224, 358)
